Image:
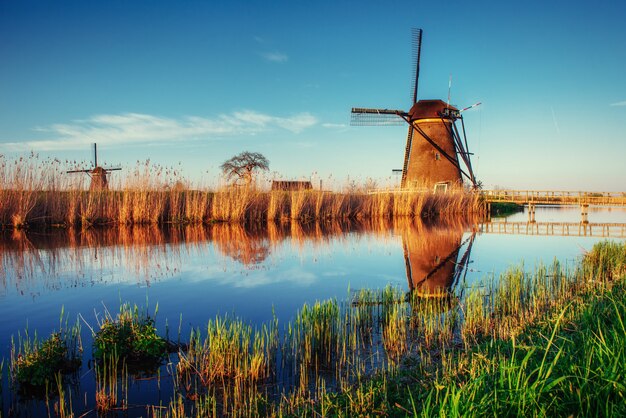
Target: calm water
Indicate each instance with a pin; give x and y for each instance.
(198, 272)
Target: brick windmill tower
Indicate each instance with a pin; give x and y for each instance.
(97, 174)
(436, 155)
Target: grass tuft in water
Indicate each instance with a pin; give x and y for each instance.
(226, 366)
(35, 362)
(130, 336)
(111, 384)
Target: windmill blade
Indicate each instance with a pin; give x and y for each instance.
(449, 89)
(469, 160)
(407, 154)
(377, 117)
(78, 171)
(469, 107)
(417, 53)
(95, 155)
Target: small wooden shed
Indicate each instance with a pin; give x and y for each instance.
(291, 185)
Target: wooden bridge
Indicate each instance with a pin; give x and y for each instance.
(566, 229)
(531, 198)
(546, 197)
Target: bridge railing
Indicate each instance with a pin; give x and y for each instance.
(615, 230)
(555, 197)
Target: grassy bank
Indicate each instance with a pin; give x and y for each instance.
(566, 360)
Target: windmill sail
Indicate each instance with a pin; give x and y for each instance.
(407, 154)
(417, 54)
(376, 117)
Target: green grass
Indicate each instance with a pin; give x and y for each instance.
(502, 209)
(225, 367)
(130, 336)
(35, 362)
(574, 363)
(568, 359)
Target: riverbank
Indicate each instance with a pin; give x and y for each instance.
(22, 208)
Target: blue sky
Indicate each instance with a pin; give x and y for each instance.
(195, 82)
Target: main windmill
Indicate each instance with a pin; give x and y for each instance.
(436, 154)
(97, 174)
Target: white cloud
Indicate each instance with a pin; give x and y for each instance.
(130, 128)
(619, 103)
(275, 56)
(334, 125)
(295, 124)
(295, 276)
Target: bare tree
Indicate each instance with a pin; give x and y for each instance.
(243, 166)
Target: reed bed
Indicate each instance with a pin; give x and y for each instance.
(67, 208)
(35, 192)
(572, 362)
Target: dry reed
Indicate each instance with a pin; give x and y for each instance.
(35, 192)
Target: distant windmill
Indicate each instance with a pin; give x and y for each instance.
(98, 174)
(434, 147)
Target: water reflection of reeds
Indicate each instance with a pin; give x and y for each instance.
(151, 252)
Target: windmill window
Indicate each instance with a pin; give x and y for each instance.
(437, 156)
(441, 187)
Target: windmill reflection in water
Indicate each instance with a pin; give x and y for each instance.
(437, 259)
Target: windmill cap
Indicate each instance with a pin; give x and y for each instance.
(426, 109)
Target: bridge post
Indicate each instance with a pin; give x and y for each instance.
(584, 212)
(531, 212)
